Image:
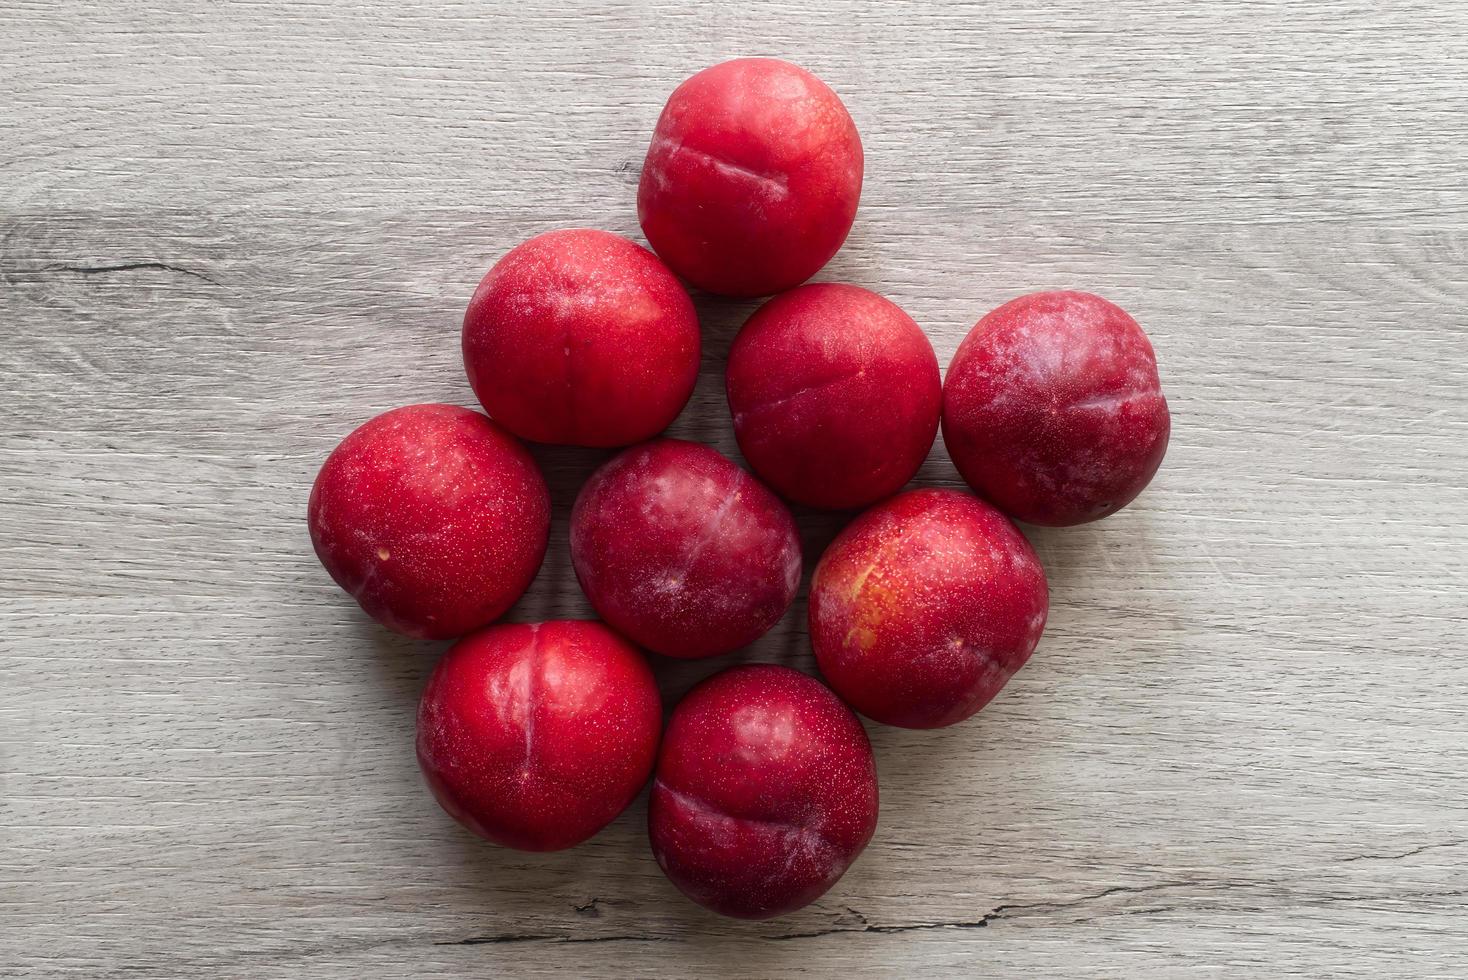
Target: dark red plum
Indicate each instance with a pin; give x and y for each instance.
(1052, 409)
(682, 551)
(765, 792)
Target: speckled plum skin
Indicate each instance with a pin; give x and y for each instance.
(683, 551)
(583, 338)
(432, 517)
(925, 606)
(835, 395)
(752, 179)
(1052, 409)
(765, 792)
(537, 736)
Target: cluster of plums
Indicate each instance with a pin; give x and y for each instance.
(436, 518)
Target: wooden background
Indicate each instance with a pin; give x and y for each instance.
(230, 232)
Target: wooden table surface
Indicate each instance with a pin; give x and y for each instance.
(231, 232)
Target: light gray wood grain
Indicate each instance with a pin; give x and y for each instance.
(231, 232)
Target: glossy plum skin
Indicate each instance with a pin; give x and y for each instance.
(925, 606)
(682, 551)
(537, 736)
(1053, 411)
(432, 517)
(835, 394)
(752, 179)
(581, 337)
(765, 792)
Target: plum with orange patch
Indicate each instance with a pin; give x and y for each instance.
(432, 517)
(681, 550)
(1053, 410)
(765, 792)
(752, 179)
(537, 736)
(581, 337)
(924, 607)
(835, 395)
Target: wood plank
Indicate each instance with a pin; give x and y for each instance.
(228, 235)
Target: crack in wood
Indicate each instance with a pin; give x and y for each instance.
(1406, 854)
(93, 270)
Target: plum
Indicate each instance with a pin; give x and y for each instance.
(765, 792)
(682, 551)
(835, 395)
(581, 337)
(924, 606)
(536, 736)
(752, 179)
(1052, 409)
(432, 517)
